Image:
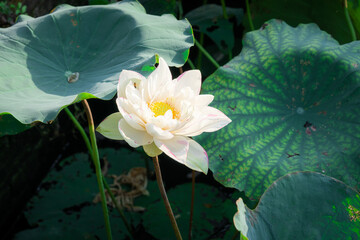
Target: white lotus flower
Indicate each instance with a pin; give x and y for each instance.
(161, 114)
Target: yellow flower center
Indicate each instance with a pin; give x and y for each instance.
(160, 108)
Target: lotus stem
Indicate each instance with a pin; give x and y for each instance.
(81, 130)
(236, 235)
(211, 59)
(97, 165)
(224, 9)
(181, 10)
(349, 22)
(127, 225)
(165, 198)
(192, 204)
(91, 152)
(191, 64)
(248, 13)
(199, 58)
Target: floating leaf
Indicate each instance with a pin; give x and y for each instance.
(209, 19)
(63, 208)
(211, 213)
(293, 95)
(329, 15)
(76, 53)
(302, 205)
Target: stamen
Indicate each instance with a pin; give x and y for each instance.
(160, 108)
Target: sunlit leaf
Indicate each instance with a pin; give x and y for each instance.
(303, 205)
(76, 53)
(293, 95)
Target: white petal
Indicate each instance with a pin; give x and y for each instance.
(129, 114)
(109, 127)
(164, 122)
(158, 79)
(152, 150)
(192, 79)
(208, 120)
(133, 137)
(203, 99)
(176, 148)
(125, 77)
(132, 94)
(157, 132)
(197, 158)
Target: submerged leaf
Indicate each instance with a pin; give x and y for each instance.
(211, 213)
(209, 20)
(293, 95)
(63, 208)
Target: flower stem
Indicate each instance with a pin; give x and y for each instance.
(127, 225)
(91, 152)
(200, 55)
(191, 64)
(211, 59)
(81, 130)
(97, 165)
(248, 13)
(164, 197)
(181, 10)
(224, 9)
(236, 235)
(192, 203)
(348, 19)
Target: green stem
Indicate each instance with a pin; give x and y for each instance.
(192, 204)
(181, 11)
(129, 228)
(165, 198)
(199, 58)
(81, 130)
(91, 152)
(236, 235)
(97, 165)
(348, 20)
(224, 9)
(191, 64)
(211, 59)
(248, 13)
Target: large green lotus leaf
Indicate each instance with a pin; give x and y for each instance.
(329, 15)
(293, 95)
(209, 20)
(10, 126)
(63, 207)
(212, 213)
(76, 53)
(354, 10)
(302, 205)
